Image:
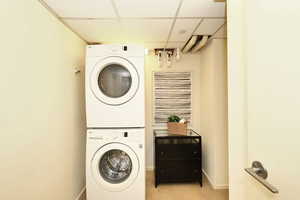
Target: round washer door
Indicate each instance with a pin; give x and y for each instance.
(114, 80)
(115, 167)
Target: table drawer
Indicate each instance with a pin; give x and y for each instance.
(179, 151)
(174, 170)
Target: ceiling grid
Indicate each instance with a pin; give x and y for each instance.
(174, 21)
(163, 23)
(113, 3)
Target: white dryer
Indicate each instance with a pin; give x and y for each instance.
(114, 83)
(115, 164)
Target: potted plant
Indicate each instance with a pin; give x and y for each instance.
(177, 125)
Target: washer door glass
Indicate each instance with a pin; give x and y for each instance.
(115, 166)
(114, 80)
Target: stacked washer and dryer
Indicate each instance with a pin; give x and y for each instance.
(115, 112)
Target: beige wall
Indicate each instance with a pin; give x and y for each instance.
(213, 112)
(189, 62)
(42, 112)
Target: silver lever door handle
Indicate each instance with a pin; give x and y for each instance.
(258, 172)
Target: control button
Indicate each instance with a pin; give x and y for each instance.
(125, 134)
(125, 48)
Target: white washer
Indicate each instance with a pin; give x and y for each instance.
(115, 164)
(115, 96)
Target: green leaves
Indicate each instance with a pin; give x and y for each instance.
(173, 118)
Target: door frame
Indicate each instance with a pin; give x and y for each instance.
(237, 99)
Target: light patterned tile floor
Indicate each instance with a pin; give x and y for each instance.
(187, 191)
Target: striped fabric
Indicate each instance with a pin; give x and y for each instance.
(172, 94)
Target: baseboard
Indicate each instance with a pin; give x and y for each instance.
(150, 168)
(213, 185)
(81, 195)
(208, 178)
(221, 187)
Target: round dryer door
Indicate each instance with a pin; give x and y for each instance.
(114, 81)
(115, 167)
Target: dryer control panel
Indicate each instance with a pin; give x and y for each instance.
(129, 135)
(115, 49)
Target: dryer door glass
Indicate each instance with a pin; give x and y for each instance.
(115, 166)
(114, 80)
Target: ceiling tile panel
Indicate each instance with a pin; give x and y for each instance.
(147, 8)
(137, 31)
(97, 30)
(150, 30)
(82, 8)
(209, 26)
(183, 29)
(202, 8)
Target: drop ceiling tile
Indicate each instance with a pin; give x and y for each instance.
(97, 30)
(82, 8)
(209, 26)
(146, 30)
(147, 8)
(202, 8)
(183, 29)
(136, 31)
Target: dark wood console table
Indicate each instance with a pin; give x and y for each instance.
(177, 157)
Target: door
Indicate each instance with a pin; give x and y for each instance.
(115, 167)
(114, 80)
(264, 97)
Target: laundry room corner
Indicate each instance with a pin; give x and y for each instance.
(149, 100)
(104, 99)
(187, 63)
